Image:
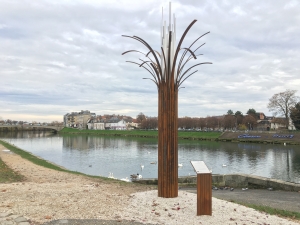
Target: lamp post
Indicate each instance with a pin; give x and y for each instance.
(249, 126)
(168, 75)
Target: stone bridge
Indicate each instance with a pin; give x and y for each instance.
(29, 128)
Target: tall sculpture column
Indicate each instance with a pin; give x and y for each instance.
(168, 75)
(167, 140)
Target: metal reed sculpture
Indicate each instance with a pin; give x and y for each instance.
(168, 77)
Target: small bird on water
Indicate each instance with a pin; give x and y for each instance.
(136, 176)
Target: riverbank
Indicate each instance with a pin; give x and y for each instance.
(267, 137)
(192, 135)
(20, 128)
(261, 137)
(234, 181)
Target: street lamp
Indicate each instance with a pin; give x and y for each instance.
(168, 75)
(249, 126)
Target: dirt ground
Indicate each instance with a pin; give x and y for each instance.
(48, 194)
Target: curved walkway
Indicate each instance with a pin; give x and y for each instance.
(284, 200)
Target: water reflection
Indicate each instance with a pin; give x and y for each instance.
(100, 155)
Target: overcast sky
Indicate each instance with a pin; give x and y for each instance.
(61, 56)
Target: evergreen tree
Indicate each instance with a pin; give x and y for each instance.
(295, 115)
(229, 112)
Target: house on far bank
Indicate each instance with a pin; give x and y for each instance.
(78, 119)
(264, 122)
(87, 120)
(95, 123)
(133, 124)
(280, 123)
(115, 123)
(272, 123)
(112, 123)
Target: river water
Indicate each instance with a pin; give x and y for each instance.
(123, 156)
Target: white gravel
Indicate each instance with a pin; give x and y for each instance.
(146, 207)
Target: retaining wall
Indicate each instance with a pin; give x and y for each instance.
(236, 181)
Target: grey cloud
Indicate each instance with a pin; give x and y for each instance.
(58, 57)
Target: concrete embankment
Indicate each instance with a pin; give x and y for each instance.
(235, 181)
(267, 137)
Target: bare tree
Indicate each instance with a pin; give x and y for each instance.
(188, 122)
(8, 121)
(149, 123)
(202, 123)
(229, 121)
(181, 123)
(281, 104)
(249, 121)
(141, 117)
(212, 122)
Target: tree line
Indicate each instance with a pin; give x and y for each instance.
(230, 121)
(285, 104)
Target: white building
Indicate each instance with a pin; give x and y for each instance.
(115, 123)
(95, 124)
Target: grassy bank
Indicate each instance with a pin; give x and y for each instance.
(263, 137)
(144, 133)
(273, 211)
(7, 175)
(12, 176)
(31, 158)
(266, 137)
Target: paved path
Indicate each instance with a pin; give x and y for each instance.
(93, 222)
(285, 200)
(11, 219)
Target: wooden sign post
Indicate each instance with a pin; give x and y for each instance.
(204, 188)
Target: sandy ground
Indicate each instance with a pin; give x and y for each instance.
(49, 195)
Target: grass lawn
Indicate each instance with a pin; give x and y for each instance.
(273, 211)
(7, 175)
(144, 133)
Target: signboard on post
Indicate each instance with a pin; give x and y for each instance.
(204, 188)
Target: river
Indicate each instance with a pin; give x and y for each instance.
(123, 156)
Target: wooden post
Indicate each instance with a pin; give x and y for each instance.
(167, 140)
(204, 188)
